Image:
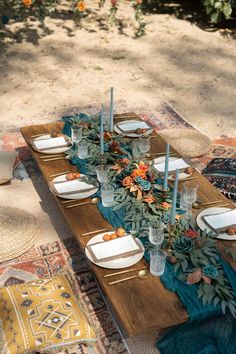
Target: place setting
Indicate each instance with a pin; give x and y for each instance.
(72, 186)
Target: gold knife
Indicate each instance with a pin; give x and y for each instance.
(59, 174)
(94, 232)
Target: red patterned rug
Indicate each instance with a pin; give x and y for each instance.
(52, 258)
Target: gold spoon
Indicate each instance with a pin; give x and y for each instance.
(142, 274)
(198, 204)
(94, 201)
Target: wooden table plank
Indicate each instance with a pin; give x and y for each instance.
(140, 305)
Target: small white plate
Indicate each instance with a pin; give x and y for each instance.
(56, 150)
(115, 263)
(182, 175)
(211, 211)
(80, 195)
(131, 135)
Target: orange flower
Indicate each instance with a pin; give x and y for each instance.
(138, 173)
(81, 6)
(177, 216)
(142, 166)
(124, 161)
(27, 3)
(165, 205)
(127, 181)
(149, 199)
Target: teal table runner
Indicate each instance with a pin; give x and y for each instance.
(208, 331)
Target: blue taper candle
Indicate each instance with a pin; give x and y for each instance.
(111, 110)
(101, 132)
(174, 198)
(165, 186)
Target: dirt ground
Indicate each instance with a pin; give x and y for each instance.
(43, 70)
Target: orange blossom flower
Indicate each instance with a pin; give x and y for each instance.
(81, 6)
(27, 3)
(165, 205)
(143, 166)
(149, 199)
(138, 173)
(127, 181)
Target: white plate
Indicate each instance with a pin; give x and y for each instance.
(54, 151)
(182, 175)
(81, 195)
(131, 135)
(210, 211)
(115, 263)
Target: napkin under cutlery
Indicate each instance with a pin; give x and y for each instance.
(131, 127)
(178, 163)
(221, 221)
(71, 187)
(50, 143)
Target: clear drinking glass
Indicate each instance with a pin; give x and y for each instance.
(107, 193)
(156, 233)
(144, 143)
(102, 173)
(157, 262)
(83, 149)
(76, 133)
(135, 150)
(189, 195)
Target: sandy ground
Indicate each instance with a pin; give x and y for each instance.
(42, 71)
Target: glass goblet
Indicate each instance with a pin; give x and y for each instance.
(102, 173)
(156, 233)
(189, 195)
(76, 133)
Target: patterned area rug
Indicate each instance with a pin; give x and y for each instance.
(48, 260)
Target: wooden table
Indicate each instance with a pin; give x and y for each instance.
(140, 305)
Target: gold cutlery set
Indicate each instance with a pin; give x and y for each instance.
(143, 273)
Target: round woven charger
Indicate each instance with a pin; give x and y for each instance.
(19, 231)
(188, 142)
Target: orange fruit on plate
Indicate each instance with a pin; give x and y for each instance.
(113, 236)
(70, 176)
(106, 237)
(120, 232)
(76, 175)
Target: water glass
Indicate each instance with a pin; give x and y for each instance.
(102, 173)
(156, 233)
(83, 150)
(107, 193)
(157, 262)
(144, 143)
(135, 150)
(189, 196)
(76, 133)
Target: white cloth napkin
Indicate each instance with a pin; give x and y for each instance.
(71, 186)
(133, 126)
(50, 143)
(222, 220)
(173, 165)
(115, 247)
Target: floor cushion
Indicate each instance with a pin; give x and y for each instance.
(41, 314)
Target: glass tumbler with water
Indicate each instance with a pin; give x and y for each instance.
(157, 262)
(107, 193)
(76, 133)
